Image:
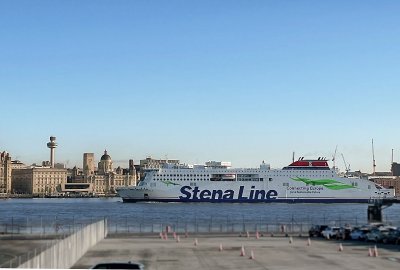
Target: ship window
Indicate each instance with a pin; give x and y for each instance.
(270, 179)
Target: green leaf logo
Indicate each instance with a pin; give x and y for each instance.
(167, 182)
(328, 183)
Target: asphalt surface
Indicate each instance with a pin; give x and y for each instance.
(12, 246)
(269, 253)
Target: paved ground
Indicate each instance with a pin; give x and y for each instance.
(17, 245)
(270, 253)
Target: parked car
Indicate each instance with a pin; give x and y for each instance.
(119, 265)
(316, 230)
(377, 234)
(393, 237)
(330, 232)
(359, 234)
(344, 233)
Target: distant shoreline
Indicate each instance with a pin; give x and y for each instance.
(20, 196)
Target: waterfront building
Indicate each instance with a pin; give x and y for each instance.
(88, 163)
(151, 163)
(38, 181)
(71, 189)
(5, 172)
(395, 169)
(105, 165)
(105, 179)
(16, 164)
(42, 180)
(388, 182)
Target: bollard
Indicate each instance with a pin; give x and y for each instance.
(251, 255)
(370, 254)
(376, 251)
(242, 252)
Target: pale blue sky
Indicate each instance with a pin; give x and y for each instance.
(242, 81)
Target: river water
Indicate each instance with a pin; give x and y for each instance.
(79, 210)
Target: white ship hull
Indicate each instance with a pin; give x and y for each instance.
(304, 185)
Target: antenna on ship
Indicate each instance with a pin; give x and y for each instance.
(293, 157)
(373, 158)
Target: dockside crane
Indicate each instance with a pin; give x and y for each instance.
(334, 159)
(345, 165)
(373, 158)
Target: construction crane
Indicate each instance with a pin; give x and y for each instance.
(334, 159)
(345, 165)
(373, 158)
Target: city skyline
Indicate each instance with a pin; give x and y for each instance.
(232, 81)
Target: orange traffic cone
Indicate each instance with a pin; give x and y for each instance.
(251, 255)
(242, 252)
(220, 247)
(308, 241)
(370, 254)
(196, 242)
(376, 251)
(340, 247)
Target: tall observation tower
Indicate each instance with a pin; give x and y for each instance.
(52, 145)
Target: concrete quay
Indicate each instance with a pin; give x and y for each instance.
(12, 246)
(269, 253)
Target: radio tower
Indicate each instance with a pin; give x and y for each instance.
(52, 145)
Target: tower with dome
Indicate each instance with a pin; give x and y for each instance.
(105, 179)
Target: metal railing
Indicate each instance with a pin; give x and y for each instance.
(44, 226)
(62, 253)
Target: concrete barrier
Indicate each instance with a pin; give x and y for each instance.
(66, 252)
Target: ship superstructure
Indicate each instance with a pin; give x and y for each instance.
(303, 181)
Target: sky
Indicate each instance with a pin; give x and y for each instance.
(240, 81)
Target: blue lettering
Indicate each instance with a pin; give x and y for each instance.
(228, 194)
(251, 196)
(241, 197)
(215, 193)
(189, 193)
(195, 191)
(205, 194)
(184, 191)
(272, 194)
(258, 193)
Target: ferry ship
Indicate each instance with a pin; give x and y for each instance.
(303, 181)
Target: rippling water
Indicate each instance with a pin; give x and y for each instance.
(79, 210)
